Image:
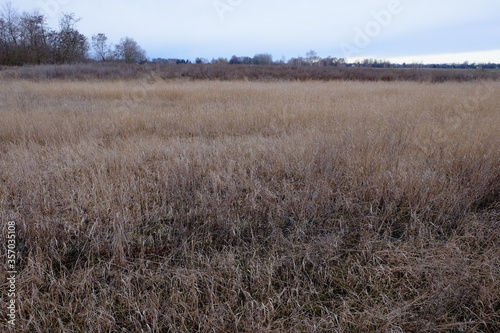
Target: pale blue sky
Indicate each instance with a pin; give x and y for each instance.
(419, 30)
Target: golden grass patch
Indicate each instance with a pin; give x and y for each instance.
(151, 205)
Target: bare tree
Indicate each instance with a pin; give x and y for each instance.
(71, 45)
(33, 38)
(262, 59)
(11, 20)
(129, 51)
(101, 48)
(10, 35)
(312, 57)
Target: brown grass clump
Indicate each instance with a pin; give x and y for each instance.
(176, 206)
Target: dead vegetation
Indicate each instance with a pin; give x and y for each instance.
(176, 206)
(223, 72)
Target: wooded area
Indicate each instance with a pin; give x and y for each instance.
(26, 39)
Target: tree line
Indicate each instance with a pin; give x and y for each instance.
(25, 38)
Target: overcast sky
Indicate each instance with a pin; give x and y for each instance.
(407, 30)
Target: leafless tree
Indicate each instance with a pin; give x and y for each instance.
(101, 48)
(129, 51)
(71, 46)
(312, 57)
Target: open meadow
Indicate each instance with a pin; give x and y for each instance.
(152, 205)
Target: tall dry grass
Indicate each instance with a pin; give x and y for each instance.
(172, 206)
(223, 72)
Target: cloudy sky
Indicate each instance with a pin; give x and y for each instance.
(396, 30)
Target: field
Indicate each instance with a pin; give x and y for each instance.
(153, 205)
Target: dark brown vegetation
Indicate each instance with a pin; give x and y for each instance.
(121, 71)
(200, 206)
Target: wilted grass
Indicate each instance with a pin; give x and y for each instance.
(172, 206)
(224, 72)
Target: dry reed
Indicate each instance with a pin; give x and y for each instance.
(176, 206)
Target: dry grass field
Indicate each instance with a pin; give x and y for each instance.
(155, 205)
